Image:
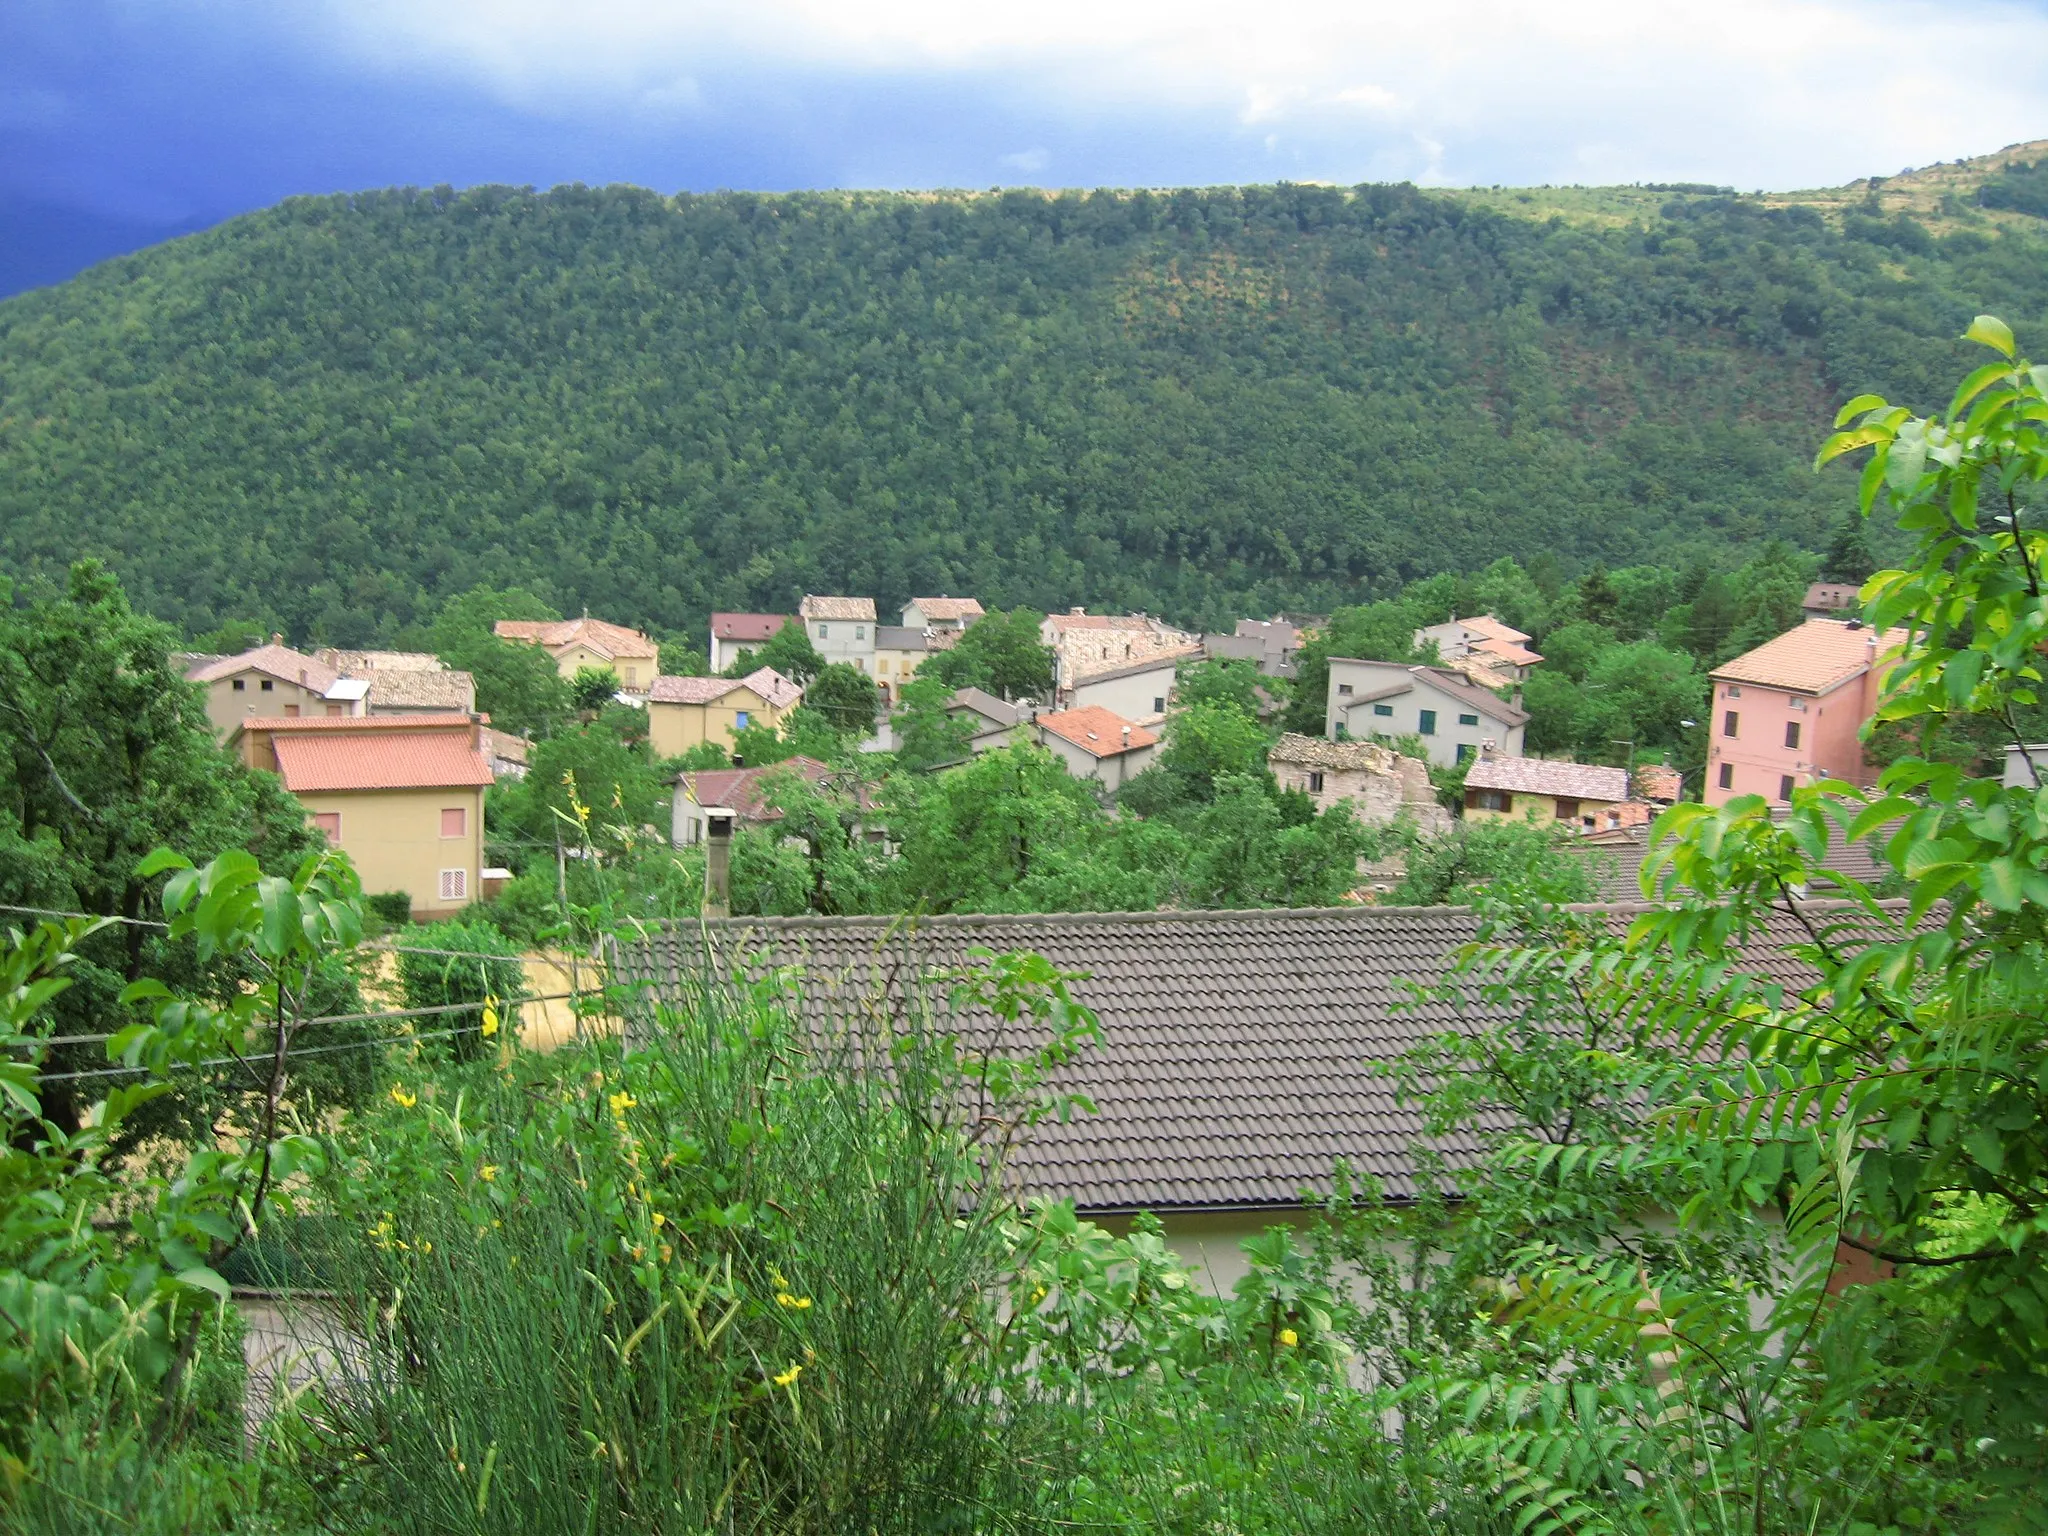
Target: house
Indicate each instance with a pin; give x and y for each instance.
(1583, 796)
(1792, 710)
(996, 722)
(1454, 716)
(957, 614)
(402, 795)
(900, 650)
(1096, 744)
(1500, 650)
(507, 753)
(1139, 691)
(2026, 767)
(1084, 642)
(1833, 600)
(1377, 781)
(1659, 784)
(738, 791)
(734, 635)
(683, 712)
(587, 642)
(1241, 1055)
(1269, 644)
(841, 629)
(273, 681)
(403, 682)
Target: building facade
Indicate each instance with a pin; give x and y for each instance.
(1084, 643)
(1454, 717)
(1141, 691)
(1499, 651)
(1791, 711)
(684, 712)
(586, 642)
(1583, 796)
(1096, 744)
(734, 635)
(949, 613)
(1377, 781)
(272, 682)
(841, 629)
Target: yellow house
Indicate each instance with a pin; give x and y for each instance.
(683, 712)
(272, 682)
(402, 795)
(1580, 795)
(587, 642)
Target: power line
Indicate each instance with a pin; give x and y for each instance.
(377, 946)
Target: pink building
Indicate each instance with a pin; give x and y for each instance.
(1788, 712)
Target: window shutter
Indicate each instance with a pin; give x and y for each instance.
(455, 885)
(454, 822)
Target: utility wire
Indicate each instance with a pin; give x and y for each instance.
(342, 1018)
(376, 945)
(234, 1061)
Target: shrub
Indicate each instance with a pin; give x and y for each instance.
(477, 963)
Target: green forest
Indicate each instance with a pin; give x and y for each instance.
(333, 415)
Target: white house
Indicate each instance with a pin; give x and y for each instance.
(841, 629)
(1138, 692)
(1096, 744)
(954, 613)
(1453, 716)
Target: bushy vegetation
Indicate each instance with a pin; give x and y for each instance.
(1196, 403)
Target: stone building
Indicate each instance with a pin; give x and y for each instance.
(1379, 782)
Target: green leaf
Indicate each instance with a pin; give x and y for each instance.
(1857, 407)
(159, 861)
(202, 1277)
(1985, 1149)
(1991, 332)
(2000, 884)
(1975, 384)
(280, 915)
(1959, 678)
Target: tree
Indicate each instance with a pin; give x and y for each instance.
(1770, 597)
(789, 651)
(846, 698)
(681, 658)
(517, 685)
(1000, 653)
(1231, 684)
(593, 688)
(927, 732)
(578, 784)
(1511, 595)
(1595, 598)
(1205, 744)
(1849, 557)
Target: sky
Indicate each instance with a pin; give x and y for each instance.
(123, 122)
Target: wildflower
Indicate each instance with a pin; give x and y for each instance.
(776, 1276)
(795, 1303)
(622, 1101)
(660, 1221)
(488, 1172)
(1289, 1337)
(401, 1098)
(490, 1024)
(667, 1253)
(789, 1375)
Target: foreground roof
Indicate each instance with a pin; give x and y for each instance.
(1538, 776)
(554, 634)
(1819, 655)
(1098, 731)
(431, 754)
(1616, 861)
(1238, 1052)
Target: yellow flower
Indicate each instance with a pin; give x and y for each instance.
(1289, 1337)
(660, 1221)
(401, 1098)
(488, 1172)
(667, 1253)
(789, 1375)
(776, 1276)
(795, 1303)
(490, 1024)
(622, 1101)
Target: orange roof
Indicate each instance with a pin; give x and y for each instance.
(332, 760)
(1097, 731)
(608, 639)
(1486, 624)
(1507, 650)
(948, 607)
(278, 661)
(1819, 655)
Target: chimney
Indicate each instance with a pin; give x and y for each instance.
(1127, 738)
(276, 639)
(1077, 613)
(718, 864)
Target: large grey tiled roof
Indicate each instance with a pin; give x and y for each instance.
(1236, 1066)
(1616, 862)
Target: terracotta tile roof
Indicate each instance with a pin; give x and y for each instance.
(1486, 624)
(278, 661)
(1157, 661)
(1097, 731)
(948, 607)
(1507, 650)
(402, 689)
(313, 761)
(815, 607)
(1539, 776)
(747, 626)
(1001, 714)
(767, 684)
(740, 789)
(1061, 622)
(1236, 1065)
(1819, 655)
(505, 746)
(362, 663)
(606, 639)
(327, 723)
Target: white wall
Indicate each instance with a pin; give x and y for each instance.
(1138, 697)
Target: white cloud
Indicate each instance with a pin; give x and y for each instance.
(1029, 161)
(1754, 92)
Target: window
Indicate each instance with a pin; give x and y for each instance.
(334, 711)
(1729, 722)
(455, 885)
(860, 631)
(1343, 687)
(1464, 751)
(1385, 711)
(740, 719)
(1315, 783)
(455, 821)
(267, 685)
(291, 711)
(1785, 786)
(1468, 719)
(240, 686)
(632, 675)
(1791, 733)
(1427, 725)
(1489, 800)
(823, 630)
(1727, 779)
(1733, 692)
(1158, 705)
(1567, 808)
(329, 822)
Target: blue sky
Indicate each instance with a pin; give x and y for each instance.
(123, 121)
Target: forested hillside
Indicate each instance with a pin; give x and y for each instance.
(335, 413)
